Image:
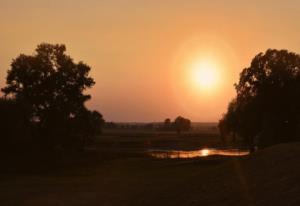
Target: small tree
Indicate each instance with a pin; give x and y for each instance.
(167, 124)
(182, 124)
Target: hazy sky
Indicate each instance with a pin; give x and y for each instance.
(140, 51)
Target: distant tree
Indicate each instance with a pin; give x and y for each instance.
(53, 85)
(167, 124)
(182, 124)
(266, 109)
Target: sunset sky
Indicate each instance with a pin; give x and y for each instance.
(147, 56)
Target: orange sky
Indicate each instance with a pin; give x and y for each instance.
(139, 50)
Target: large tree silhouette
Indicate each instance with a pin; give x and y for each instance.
(53, 85)
(266, 109)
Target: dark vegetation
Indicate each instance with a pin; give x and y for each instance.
(268, 177)
(179, 125)
(266, 109)
(43, 102)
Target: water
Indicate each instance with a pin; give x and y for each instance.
(175, 154)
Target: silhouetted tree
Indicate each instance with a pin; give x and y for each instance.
(167, 124)
(86, 125)
(182, 124)
(229, 124)
(53, 85)
(266, 109)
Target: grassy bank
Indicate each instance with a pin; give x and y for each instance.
(110, 177)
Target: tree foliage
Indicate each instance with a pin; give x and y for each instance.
(266, 108)
(53, 85)
(182, 124)
(167, 124)
(179, 124)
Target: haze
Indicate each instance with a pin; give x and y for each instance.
(140, 51)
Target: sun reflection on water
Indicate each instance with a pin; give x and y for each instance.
(205, 152)
(174, 154)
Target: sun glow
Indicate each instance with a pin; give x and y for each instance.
(205, 75)
(202, 73)
(205, 152)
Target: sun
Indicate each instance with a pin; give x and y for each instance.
(204, 74)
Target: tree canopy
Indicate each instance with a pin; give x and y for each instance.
(266, 109)
(53, 86)
(182, 124)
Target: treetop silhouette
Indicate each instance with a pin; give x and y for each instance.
(53, 85)
(266, 108)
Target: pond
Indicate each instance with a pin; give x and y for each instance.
(181, 154)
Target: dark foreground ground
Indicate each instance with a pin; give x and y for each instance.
(111, 176)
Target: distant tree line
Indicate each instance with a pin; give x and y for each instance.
(44, 99)
(266, 109)
(179, 124)
(130, 126)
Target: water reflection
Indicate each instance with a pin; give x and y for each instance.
(173, 154)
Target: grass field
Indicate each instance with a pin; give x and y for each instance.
(115, 172)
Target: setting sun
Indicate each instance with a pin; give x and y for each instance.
(205, 75)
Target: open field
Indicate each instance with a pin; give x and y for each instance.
(110, 176)
(156, 139)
